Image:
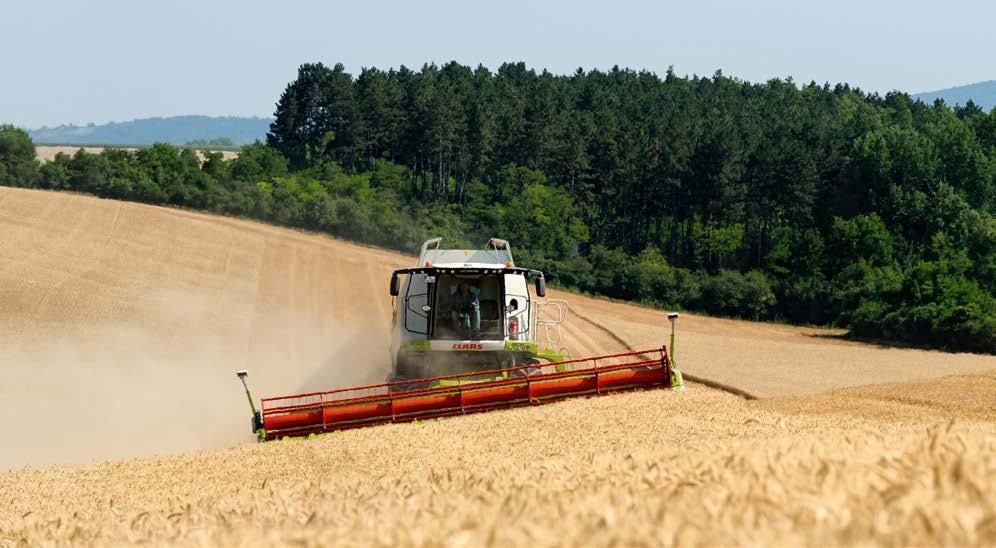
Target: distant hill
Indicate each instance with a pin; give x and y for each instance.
(982, 93)
(177, 130)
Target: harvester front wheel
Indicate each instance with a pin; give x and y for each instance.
(406, 384)
(526, 370)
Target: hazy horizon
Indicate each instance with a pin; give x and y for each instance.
(188, 115)
(118, 61)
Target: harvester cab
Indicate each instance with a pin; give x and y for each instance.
(465, 310)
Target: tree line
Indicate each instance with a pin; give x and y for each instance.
(809, 204)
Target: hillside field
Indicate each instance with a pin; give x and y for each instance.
(121, 326)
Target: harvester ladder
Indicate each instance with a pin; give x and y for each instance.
(550, 326)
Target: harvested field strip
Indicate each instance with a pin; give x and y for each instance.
(770, 360)
(688, 376)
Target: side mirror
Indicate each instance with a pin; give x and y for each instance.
(395, 285)
(541, 287)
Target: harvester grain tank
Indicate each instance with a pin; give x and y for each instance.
(467, 336)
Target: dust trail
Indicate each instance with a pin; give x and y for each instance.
(133, 390)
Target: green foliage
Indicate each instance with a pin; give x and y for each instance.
(652, 280)
(55, 174)
(256, 162)
(608, 271)
(18, 166)
(805, 298)
(935, 303)
(861, 238)
(541, 215)
(734, 294)
(861, 283)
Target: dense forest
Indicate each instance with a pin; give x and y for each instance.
(809, 204)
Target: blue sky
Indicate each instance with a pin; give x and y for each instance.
(99, 61)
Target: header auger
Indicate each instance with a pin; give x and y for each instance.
(466, 339)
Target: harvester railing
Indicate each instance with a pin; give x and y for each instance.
(448, 395)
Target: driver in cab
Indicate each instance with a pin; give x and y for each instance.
(465, 309)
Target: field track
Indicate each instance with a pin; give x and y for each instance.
(121, 325)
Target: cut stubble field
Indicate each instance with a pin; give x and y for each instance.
(121, 325)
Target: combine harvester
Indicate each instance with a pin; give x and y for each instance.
(466, 339)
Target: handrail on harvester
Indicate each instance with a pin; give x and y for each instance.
(463, 393)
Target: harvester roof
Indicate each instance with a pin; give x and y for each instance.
(496, 253)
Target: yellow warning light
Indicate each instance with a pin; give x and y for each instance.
(428, 264)
(508, 264)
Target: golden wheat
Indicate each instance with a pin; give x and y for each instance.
(699, 467)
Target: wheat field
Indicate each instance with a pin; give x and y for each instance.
(121, 325)
(47, 153)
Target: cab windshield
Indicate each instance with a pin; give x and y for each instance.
(468, 307)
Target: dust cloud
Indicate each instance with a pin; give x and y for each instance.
(167, 385)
